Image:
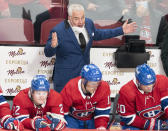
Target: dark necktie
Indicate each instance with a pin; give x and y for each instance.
(82, 41)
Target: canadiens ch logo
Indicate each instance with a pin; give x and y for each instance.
(153, 112)
(79, 114)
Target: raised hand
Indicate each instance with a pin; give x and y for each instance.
(54, 41)
(121, 20)
(129, 28)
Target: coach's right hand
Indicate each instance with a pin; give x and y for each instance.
(54, 41)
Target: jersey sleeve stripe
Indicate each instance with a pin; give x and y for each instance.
(104, 108)
(164, 102)
(4, 118)
(101, 116)
(165, 107)
(128, 119)
(66, 113)
(1, 103)
(22, 117)
(2, 100)
(99, 113)
(166, 97)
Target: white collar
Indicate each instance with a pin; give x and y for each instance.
(80, 90)
(141, 91)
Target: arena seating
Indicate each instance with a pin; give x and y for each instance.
(100, 24)
(58, 9)
(16, 31)
(112, 42)
(46, 28)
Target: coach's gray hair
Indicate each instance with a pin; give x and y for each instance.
(74, 7)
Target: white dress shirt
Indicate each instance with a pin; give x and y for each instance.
(78, 30)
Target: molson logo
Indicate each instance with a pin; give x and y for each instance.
(109, 64)
(16, 53)
(46, 63)
(113, 82)
(14, 72)
(12, 90)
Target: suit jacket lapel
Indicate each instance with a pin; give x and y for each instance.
(71, 34)
(88, 30)
(90, 33)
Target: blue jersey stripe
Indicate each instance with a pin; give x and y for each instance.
(127, 119)
(164, 103)
(102, 112)
(2, 99)
(22, 117)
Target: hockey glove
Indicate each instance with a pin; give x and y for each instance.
(57, 122)
(39, 122)
(13, 124)
(155, 124)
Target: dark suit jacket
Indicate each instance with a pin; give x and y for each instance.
(164, 53)
(163, 28)
(69, 57)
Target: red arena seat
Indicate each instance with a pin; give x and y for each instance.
(46, 28)
(16, 31)
(58, 9)
(105, 24)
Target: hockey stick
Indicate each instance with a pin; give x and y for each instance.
(112, 120)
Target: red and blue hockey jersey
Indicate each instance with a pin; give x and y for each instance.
(135, 106)
(24, 109)
(84, 107)
(4, 108)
